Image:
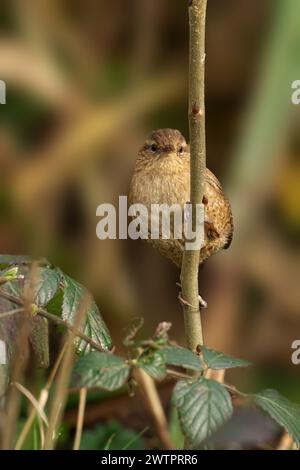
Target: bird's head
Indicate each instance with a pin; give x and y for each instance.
(164, 145)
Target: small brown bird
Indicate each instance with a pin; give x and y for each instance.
(162, 176)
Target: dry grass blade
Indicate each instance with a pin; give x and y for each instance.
(61, 390)
(80, 418)
(43, 398)
(33, 401)
(10, 313)
(152, 399)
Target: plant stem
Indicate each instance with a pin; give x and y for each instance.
(43, 398)
(56, 320)
(154, 405)
(60, 394)
(10, 313)
(190, 263)
(80, 418)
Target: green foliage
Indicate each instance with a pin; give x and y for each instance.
(153, 363)
(217, 360)
(286, 413)
(47, 285)
(176, 434)
(182, 357)
(94, 326)
(112, 436)
(55, 292)
(203, 407)
(102, 370)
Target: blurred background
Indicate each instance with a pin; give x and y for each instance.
(87, 81)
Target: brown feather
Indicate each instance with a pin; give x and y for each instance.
(162, 176)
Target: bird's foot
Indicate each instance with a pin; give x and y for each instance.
(202, 302)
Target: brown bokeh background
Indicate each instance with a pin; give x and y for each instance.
(86, 82)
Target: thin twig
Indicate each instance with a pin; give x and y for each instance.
(149, 391)
(80, 418)
(56, 320)
(10, 313)
(190, 263)
(43, 398)
(61, 390)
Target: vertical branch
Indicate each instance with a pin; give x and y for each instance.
(190, 263)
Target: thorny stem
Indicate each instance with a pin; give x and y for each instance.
(56, 320)
(190, 263)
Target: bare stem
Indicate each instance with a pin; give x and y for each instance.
(80, 418)
(59, 398)
(154, 405)
(43, 398)
(190, 263)
(56, 320)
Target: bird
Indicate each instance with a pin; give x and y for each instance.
(161, 175)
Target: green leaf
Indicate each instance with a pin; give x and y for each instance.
(56, 303)
(11, 274)
(203, 407)
(182, 357)
(48, 281)
(94, 326)
(123, 438)
(217, 360)
(154, 364)
(282, 410)
(102, 370)
(47, 285)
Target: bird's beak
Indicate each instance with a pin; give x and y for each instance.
(168, 154)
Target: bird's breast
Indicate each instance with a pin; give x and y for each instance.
(155, 188)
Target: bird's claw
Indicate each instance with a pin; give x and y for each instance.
(184, 302)
(202, 302)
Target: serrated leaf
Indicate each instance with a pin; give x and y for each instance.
(94, 326)
(217, 360)
(102, 370)
(203, 407)
(182, 357)
(47, 285)
(153, 364)
(45, 288)
(282, 410)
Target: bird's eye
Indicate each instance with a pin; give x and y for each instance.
(153, 148)
(180, 150)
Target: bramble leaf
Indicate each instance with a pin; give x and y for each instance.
(182, 357)
(282, 410)
(203, 407)
(102, 370)
(218, 360)
(94, 327)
